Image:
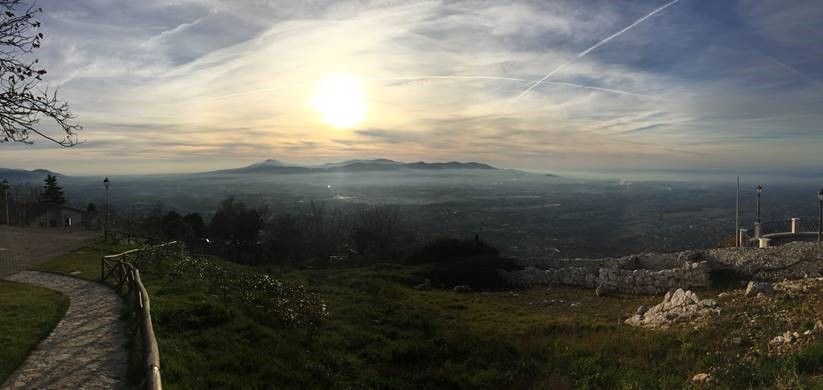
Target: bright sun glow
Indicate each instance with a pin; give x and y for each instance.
(340, 101)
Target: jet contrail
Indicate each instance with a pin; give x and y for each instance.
(446, 78)
(793, 70)
(617, 91)
(456, 77)
(598, 44)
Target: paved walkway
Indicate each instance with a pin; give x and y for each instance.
(86, 350)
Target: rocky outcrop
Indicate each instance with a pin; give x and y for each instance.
(678, 307)
(754, 288)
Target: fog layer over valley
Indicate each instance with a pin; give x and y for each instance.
(524, 214)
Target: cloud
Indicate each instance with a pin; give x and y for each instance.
(205, 84)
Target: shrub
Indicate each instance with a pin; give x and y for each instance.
(280, 303)
(469, 262)
(810, 360)
(448, 249)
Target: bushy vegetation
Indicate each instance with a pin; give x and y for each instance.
(380, 333)
(320, 236)
(442, 250)
(279, 303)
(452, 262)
(317, 235)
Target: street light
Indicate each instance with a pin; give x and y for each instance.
(820, 216)
(5, 186)
(759, 191)
(106, 228)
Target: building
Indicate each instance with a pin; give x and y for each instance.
(62, 216)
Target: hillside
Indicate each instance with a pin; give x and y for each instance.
(22, 175)
(275, 166)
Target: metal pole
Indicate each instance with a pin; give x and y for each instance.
(6, 200)
(758, 206)
(820, 223)
(108, 209)
(737, 242)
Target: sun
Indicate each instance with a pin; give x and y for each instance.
(340, 101)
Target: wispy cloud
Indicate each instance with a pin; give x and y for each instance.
(202, 84)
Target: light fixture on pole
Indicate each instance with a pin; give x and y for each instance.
(5, 186)
(820, 216)
(106, 227)
(759, 191)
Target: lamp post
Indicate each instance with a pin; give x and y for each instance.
(759, 191)
(106, 227)
(5, 186)
(820, 216)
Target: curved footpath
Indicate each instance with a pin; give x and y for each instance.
(86, 350)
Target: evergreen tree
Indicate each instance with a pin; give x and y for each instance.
(52, 193)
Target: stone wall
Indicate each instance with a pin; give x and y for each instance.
(637, 281)
(795, 260)
(656, 273)
(646, 281)
(645, 273)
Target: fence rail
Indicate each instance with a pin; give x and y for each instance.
(808, 225)
(119, 269)
(775, 227)
(9, 263)
(128, 237)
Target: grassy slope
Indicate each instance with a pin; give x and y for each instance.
(27, 315)
(383, 334)
(86, 260)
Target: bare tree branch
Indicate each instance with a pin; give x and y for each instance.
(22, 103)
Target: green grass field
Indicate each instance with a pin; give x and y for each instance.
(86, 260)
(380, 333)
(27, 315)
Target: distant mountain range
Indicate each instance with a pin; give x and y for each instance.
(22, 175)
(382, 164)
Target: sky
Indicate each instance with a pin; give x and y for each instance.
(165, 86)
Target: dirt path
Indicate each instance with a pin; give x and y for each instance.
(22, 248)
(86, 350)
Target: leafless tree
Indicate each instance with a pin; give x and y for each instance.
(22, 103)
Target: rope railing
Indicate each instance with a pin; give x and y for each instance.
(119, 269)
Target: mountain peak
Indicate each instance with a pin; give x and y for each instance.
(270, 163)
(22, 175)
(379, 164)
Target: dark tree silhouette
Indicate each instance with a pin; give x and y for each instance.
(52, 193)
(22, 103)
(198, 226)
(236, 223)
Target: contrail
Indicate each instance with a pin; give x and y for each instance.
(447, 77)
(598, 44)
(617, 91)
(262, 90)
(793, 70)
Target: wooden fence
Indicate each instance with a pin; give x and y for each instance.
(126, 276)
(128, 237)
